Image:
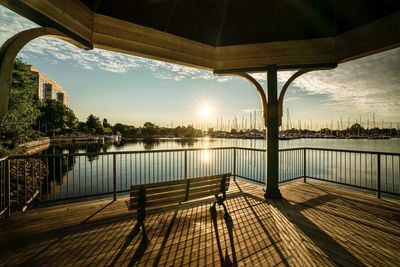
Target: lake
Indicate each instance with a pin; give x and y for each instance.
(378, 145)
(138, 162)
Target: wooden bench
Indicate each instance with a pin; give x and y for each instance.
(157, 197)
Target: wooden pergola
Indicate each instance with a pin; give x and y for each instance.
(226, 37)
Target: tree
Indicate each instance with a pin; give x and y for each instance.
(124, 130)
(94, 125)
(16, 126)
(55, 116)
(150, 129)
(106, 124)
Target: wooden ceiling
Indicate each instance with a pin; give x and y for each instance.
(225, 35)
(238, 22)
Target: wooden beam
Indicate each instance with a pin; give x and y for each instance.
(375, 37)
(121, 36)
(69, 17)
(299, 52)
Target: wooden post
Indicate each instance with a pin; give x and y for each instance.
(114, 177)
(272, 190)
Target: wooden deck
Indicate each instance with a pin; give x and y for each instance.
(314, 225)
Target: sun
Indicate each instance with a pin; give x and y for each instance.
(206, 111)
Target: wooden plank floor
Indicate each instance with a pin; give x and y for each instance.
(313, 225)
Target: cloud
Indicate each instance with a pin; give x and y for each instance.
(56, 51)
(291, 99)
(364, 85)
(11, 24)
(250, 110)
(371, 83)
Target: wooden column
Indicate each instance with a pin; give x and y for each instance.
(272, 188)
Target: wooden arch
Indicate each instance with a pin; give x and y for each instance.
(9, 52)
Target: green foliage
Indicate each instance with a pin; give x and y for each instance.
(82, 127)
(108, 131)
(106, 124)
(94, 125)
(150, 129)
(187, 132)
(56, 117)
(124, 130)
(16, 126)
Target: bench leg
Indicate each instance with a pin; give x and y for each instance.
(213, 209)
(220, 202)
(226, 213)
(145, 239)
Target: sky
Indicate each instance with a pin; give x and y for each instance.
(133, 90)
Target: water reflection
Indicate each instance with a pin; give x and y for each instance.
(72, 176)
(206, 156)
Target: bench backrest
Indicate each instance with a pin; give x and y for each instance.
(175, 192)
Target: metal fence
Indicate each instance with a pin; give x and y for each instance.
(69, 176)
(249, 163)
(362, 169)
(4, 188)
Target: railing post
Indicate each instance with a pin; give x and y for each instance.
(305, 165)
(234, 164)
(185, 167)
(114, 177)
(378, 182)
(7, 187)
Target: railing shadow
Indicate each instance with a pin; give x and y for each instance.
(97, 212)
(328, 245)
(165, 239)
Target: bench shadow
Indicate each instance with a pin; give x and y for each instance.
(225, 260)
(131, 236)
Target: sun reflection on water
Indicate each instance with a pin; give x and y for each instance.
(206, 155)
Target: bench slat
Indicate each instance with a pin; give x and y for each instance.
(205, 188)
(163, 195)
(204, 183)
(159, 202)
(174, 192)
(176, 182)
(160, 189)
(160, 184)
(162, 202)
(203, 194)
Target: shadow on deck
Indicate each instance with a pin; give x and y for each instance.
(314, 224)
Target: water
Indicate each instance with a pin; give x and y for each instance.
(90, 175)
(384, 145)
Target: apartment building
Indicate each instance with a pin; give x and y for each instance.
(48, 88)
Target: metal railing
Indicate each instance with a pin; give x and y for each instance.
(375, 171)
(4, 188)
(81, 175)
(250, 164)
(71, 176)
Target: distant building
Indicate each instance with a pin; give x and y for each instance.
(47, 88)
